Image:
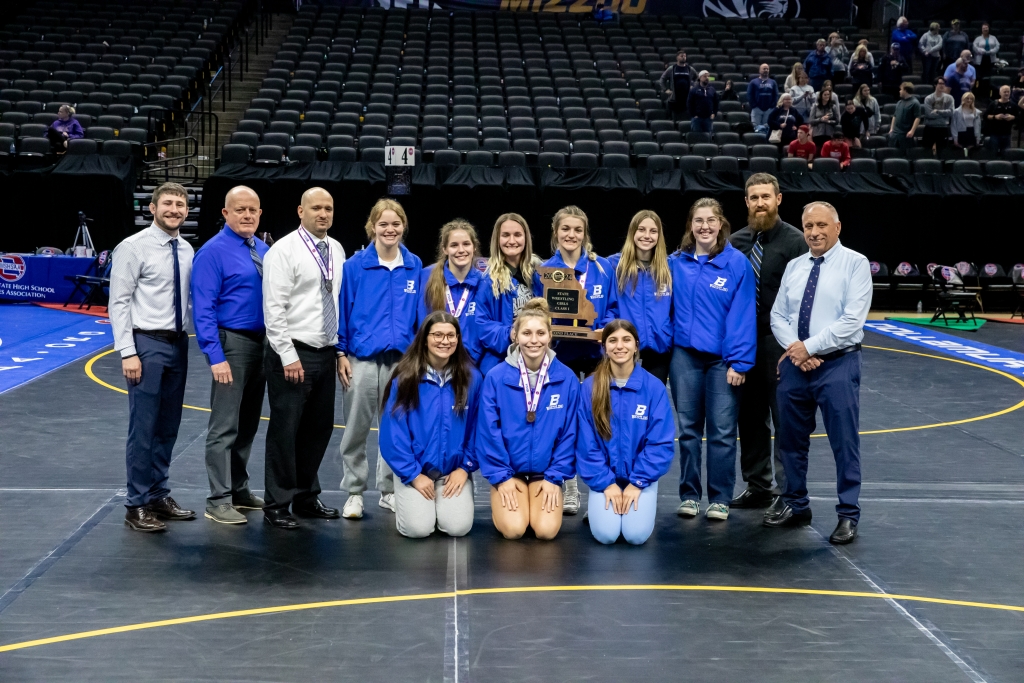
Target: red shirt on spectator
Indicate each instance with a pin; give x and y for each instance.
(805, 150)
(836, 150)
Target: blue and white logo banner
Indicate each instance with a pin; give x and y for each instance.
(990, 356)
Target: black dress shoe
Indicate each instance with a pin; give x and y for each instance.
(788, 518)
(141, 519)
(752, 499)
(166, 508)
(845, 532)
(778, 502)
(280, 519)
(317, 509)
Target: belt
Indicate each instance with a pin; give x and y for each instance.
(168, 335)
(841, 352)
(309, 347)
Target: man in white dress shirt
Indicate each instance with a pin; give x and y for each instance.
(818, 317)
(301, 282)
(149, 304)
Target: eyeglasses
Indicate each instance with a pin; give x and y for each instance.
(444, 337)
(699, 222)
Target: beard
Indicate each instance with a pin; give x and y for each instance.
(762, 223)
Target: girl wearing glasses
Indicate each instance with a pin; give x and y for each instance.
(526, 429)
(644, 290)
(426, 431)
(451, 283)
(714, 341)
(625, 440)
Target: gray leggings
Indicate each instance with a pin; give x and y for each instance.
(416, 516)
(362, 401)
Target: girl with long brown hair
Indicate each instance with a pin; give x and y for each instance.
(451, 283)
(426, 430)
(644, 289)
(626, 439)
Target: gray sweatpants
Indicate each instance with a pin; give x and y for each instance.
(416, 516)
(362, 407)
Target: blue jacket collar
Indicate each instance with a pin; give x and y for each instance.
(717, 260)
(372, 260)
(472, 278)
(581, 265)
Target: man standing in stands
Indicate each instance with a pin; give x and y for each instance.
(149, 302)
(907, 40)
(818, 65)
(905, 119)
(227, 307)
(769, 244)
(301, 281)
(819, 317)
(1001, 115)
(702, 103)
(762, 96)
(676, 82)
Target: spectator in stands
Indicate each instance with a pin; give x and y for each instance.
(954, 42)
(864, 99)
(958, 82)
(862, 66)
(1001, 115)
(930, 46)
(906, 119)
(938, 112)
(907, 40)
(65, 128)
(1018, 85)
(824, 118)
(676, 81)
(803, 95)
(762, 94)
(728, 93)
(837, 149)
(793, 77)
(986, 49)
(818, 65)
(853, 123)
(802, 147)
(892, 71)
(784, 119)
(840, 55)
(965, 126)
(972, 74)
(702, 103)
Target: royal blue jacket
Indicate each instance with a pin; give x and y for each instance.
(378, 306)
(601, 292)
(763, 95)
(467, 320)
(714, 306)
(433, 436)
(648, 310)
(818, 66)
(506, 444)
(643, 434)
(494, 318)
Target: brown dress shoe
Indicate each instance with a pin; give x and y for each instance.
(166, 508)
(141, 519)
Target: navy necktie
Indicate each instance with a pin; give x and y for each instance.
(755, 256)
(803, 326)
(177, 287)
(257, 261)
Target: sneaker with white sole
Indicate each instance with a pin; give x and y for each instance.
(688, 508)
(224, 514)
(353, 507)
(387, 501)
(718, 511)
(570, 497)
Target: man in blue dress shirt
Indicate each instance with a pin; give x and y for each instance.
(818, 317)
(227, 306)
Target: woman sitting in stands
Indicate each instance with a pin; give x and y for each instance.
(65, 128)
(784, 119)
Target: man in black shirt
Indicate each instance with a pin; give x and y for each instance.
(769, 244)
(676, 82)
(1000, 117)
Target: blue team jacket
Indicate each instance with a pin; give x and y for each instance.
(378, 306)
(433, 436)
(494, 318)
(601, 292)
(506, 444)
(713, 307)
(467, 321)
(648, 310)
(643, 434)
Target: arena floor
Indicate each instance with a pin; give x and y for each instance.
(84, 599)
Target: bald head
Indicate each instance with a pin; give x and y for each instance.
(764, 71)
(242, 211)
(316, 212)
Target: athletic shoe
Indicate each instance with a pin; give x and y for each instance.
(718, 511)
(387, 501)
(570, 497)
(689, 508)
(353, 507)
(247, 500)
(224, 514)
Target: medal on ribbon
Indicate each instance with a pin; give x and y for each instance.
(532, 396)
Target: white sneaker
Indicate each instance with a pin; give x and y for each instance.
(718, 511)
(387, 501)
(353, 507)
(689, 508)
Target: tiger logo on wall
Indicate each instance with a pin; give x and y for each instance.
(752, 9)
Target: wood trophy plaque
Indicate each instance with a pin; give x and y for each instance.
(567, 299)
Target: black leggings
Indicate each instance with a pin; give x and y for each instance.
(656, 363)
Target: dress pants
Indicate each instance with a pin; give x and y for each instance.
(362, 404)
(234, 416)
(835, 388)
(759, 412)
(154, 414)
(301, 422)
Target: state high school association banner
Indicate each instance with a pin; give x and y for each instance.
(734, 9)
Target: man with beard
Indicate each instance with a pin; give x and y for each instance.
(769, 244)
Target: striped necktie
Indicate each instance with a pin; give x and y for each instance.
(327, 297)
(257, 261)
(755, 256)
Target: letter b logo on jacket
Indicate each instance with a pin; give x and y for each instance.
(410, 287)
(553, 403)
(641, 412)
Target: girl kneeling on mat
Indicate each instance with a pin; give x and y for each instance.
(625, 440)
(426, 431)
(526, 429)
